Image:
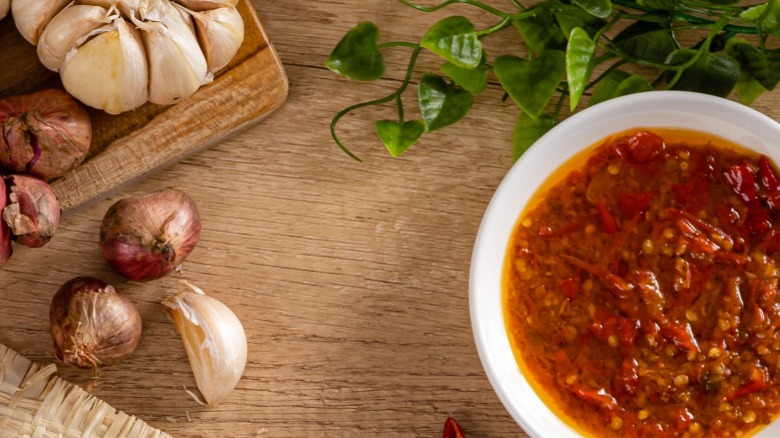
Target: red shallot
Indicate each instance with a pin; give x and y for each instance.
(44, 134)
(146, 237)
(33, 211)
(5, 231)
(93, 324)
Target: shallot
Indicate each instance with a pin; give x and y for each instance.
(33, 211)
(146, 237)
(93, 324)
(45, 134)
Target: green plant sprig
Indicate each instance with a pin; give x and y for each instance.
(566, 40)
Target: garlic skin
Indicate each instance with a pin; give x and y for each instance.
(109, 71)
(214, 339)
(31, 16)
(116, 55)
(5, 6)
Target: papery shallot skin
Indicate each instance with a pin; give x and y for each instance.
(5, 231)
(92, 324)
(45, 134)
(146, 237)
(33, 210)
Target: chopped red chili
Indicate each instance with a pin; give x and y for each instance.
(652, 306)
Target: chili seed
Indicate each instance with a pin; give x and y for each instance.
(724, 407)
(681, 380)
(724, 324)
(684, 166)
(591, 309)
(612, 340)
(570, 380)
(643, 414)
(762, 350)
(668, 233)
(749, 417)
(694, 428)
(668, 251)
(650, 340)
(681, 248)
(587, 286)
(590, 229)
(527, 222)
(670, 350)
(714, 353)
(691, 315)
(613, 169)
(616, 423)
(520, 265)
(527, 275)
(647, 246)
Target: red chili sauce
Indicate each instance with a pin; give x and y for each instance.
(641, 290)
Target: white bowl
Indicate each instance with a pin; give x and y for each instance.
(668, 109)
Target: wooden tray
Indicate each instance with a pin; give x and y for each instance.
(130, 146)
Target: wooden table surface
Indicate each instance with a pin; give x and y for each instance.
(351, 279)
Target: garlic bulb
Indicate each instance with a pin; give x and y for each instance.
(5, 6)
(214, 340)
(116, 55)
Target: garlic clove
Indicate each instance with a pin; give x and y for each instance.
(109, 71)
(205, 5)
(31, 16)
(5, 6)
(64, 31)
(214, 339)
(177, 66)
(221, 32)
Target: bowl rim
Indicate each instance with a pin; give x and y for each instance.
(482, 281)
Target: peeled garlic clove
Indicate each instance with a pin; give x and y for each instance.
(65, 30)
(214, 340)
(5, 6)
(221, 32)
(109, 71)
(205, 5)
(31, 16)
(177, 67)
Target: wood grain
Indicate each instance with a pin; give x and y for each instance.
(131, 145)
(351, 279)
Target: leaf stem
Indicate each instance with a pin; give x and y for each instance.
(689, 18)
(396, 44)
(518, 5)
(609, 70)
(474, 3)
(704, 48)
(395, 95)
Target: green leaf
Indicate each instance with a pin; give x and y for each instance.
(397, 137)
(646, 40)
(770, 21)
(540, 32)
(631, 85)
(722, 2)
(569, 17)
(532, 83)
(527, 131)
(597, 8)
(748, 88)
(661, 5)
(711, 74)
(753, 13)
(764, 67)
(454, 39)
(618, 83)
(442, 104)
(356, 56)
(606, 87)
(579, 63)
(474, 80)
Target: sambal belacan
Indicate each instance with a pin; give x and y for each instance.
(641, 289)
